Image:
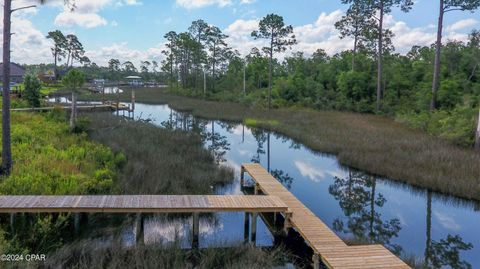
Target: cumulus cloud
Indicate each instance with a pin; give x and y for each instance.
(321, 34)
(125, 53)
(191, 4)
(29, 45)
(86, 12)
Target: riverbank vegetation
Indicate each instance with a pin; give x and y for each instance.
(369, 142)
(159, 161)
(115, 157)
(50, 160)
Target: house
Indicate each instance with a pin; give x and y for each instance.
(134, 80)
(17, 73)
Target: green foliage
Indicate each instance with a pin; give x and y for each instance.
(73, 80)
(457, 125)
(49, 160)
(260, 123)
(32, 90)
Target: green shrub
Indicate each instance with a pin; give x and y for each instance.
(32, 90)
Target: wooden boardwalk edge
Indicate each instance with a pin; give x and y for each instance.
(141, 204)
(326, 245)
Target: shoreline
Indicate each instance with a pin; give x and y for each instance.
(360, 141)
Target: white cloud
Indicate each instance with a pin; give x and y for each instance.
(461, 24)
(308, 170)
(124, 53)
(86, 12)
(191, 4)
(321, 34)
(448, 222)
(87, 20)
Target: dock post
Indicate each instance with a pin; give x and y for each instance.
(316, 261)
(139, 233)
(12, 221)
(286, 223)
(254, 228)
(133, 100)
(76, 223)
(195, 230)
(246, 226)
(256, 188)
(242, 177)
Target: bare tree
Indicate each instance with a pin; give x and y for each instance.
(7, 37)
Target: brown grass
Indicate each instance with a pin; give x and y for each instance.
(368, 142)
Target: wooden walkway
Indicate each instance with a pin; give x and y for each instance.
(327, 246)
(106, 107)
(141, 204)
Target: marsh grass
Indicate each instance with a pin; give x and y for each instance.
(368, 142)
(84, 255)
(158, 161)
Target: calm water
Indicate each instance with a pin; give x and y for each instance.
(356, 205)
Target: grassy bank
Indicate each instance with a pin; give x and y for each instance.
(241, 256)
(116, 156)
(50, 160)
(368, 142)
(159, 161)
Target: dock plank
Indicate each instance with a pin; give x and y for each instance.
(331, 249)
(141, 204)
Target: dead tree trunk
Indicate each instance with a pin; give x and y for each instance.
(73, 112)
(6, 145)
(477, 137)
(436, 67)
(380, 58)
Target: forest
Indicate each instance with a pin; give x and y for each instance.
(370, 78)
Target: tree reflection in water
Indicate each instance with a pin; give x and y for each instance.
(283, 178)
(261, 137)
(359, 201)
(444, 252)
(219, 144)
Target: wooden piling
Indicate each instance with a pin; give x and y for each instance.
(139, 233)
(195, 229)
(76, 223)
(12, 222)
(242, 177)
(254, 228)
(246, 227)
(316, 261)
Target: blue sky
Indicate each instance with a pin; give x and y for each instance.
(134, 29)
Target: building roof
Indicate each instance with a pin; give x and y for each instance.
(15, 70)
(133, 77)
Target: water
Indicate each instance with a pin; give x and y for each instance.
(356, 205)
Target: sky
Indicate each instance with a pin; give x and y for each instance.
(133, 29)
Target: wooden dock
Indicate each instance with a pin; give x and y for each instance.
(326, 245)
(103, 107)
(141, 204)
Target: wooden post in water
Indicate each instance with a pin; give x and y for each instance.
(195, 230)
(287, 224)
(316, 261)
(242, 177)
(254, 228)
(133, 103)
(12, 222)
(256, 188)
(139, 233)
(118, 99)
(246, 226)
(76, 223)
